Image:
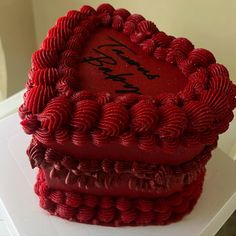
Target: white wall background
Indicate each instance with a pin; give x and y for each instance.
(208, 24)
(3, 73)
(18, 42)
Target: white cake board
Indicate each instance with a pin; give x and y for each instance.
(26, 218)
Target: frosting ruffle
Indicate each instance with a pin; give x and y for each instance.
(155, 177)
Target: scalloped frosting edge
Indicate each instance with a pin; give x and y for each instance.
(202, 110)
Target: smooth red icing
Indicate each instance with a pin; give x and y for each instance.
(100, 64)
(115, 151)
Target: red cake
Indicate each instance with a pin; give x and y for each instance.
(123, 119)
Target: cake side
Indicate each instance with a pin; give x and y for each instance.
(129, 178)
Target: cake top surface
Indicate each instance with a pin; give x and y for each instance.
(111, 75)
(111, 62)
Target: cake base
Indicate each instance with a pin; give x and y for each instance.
(118, 211)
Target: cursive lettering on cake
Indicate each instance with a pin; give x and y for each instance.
(104, 62)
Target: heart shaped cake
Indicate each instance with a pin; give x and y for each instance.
(123, 119)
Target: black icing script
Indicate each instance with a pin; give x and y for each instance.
(105, 62)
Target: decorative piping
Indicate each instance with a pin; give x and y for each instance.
(118, 211)
(139, 176)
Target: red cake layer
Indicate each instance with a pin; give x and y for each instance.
(115, 177)
(118, 211)
(82, 48)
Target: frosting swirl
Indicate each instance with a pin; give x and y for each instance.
(160, 53)
(85, 115)
(200, 116)
(36, 153)
(37, 98)
(79, 138)
(148, 46)
(171, 126)
(217, 69)
(128, 100)
(44, 77)
(217, 101)
(161, 39)
(99, 138)
(127, 138)
(56, 113)
(102, 98)
(137, 37)
(54, 43)
(147, 142)
(30, 124)
(81, 95)
(129, 27)
(67, 22)
(87, 10)
(123, 13)
(59, 32)
(62, 135)
(202, 56)
(104, 19)
(117, 22)
(146, 27)
(114, 119)
(144, 116)
(136, 18)
(105, 7)
(43, 59)
(182, 44)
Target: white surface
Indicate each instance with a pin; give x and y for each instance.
(10, 105)
(227, 141)
(7, 227)
(216, 204)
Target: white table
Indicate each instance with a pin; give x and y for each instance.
(24, 217)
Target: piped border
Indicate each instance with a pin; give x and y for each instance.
(118, 211)
(108, 174)
(54, 109)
